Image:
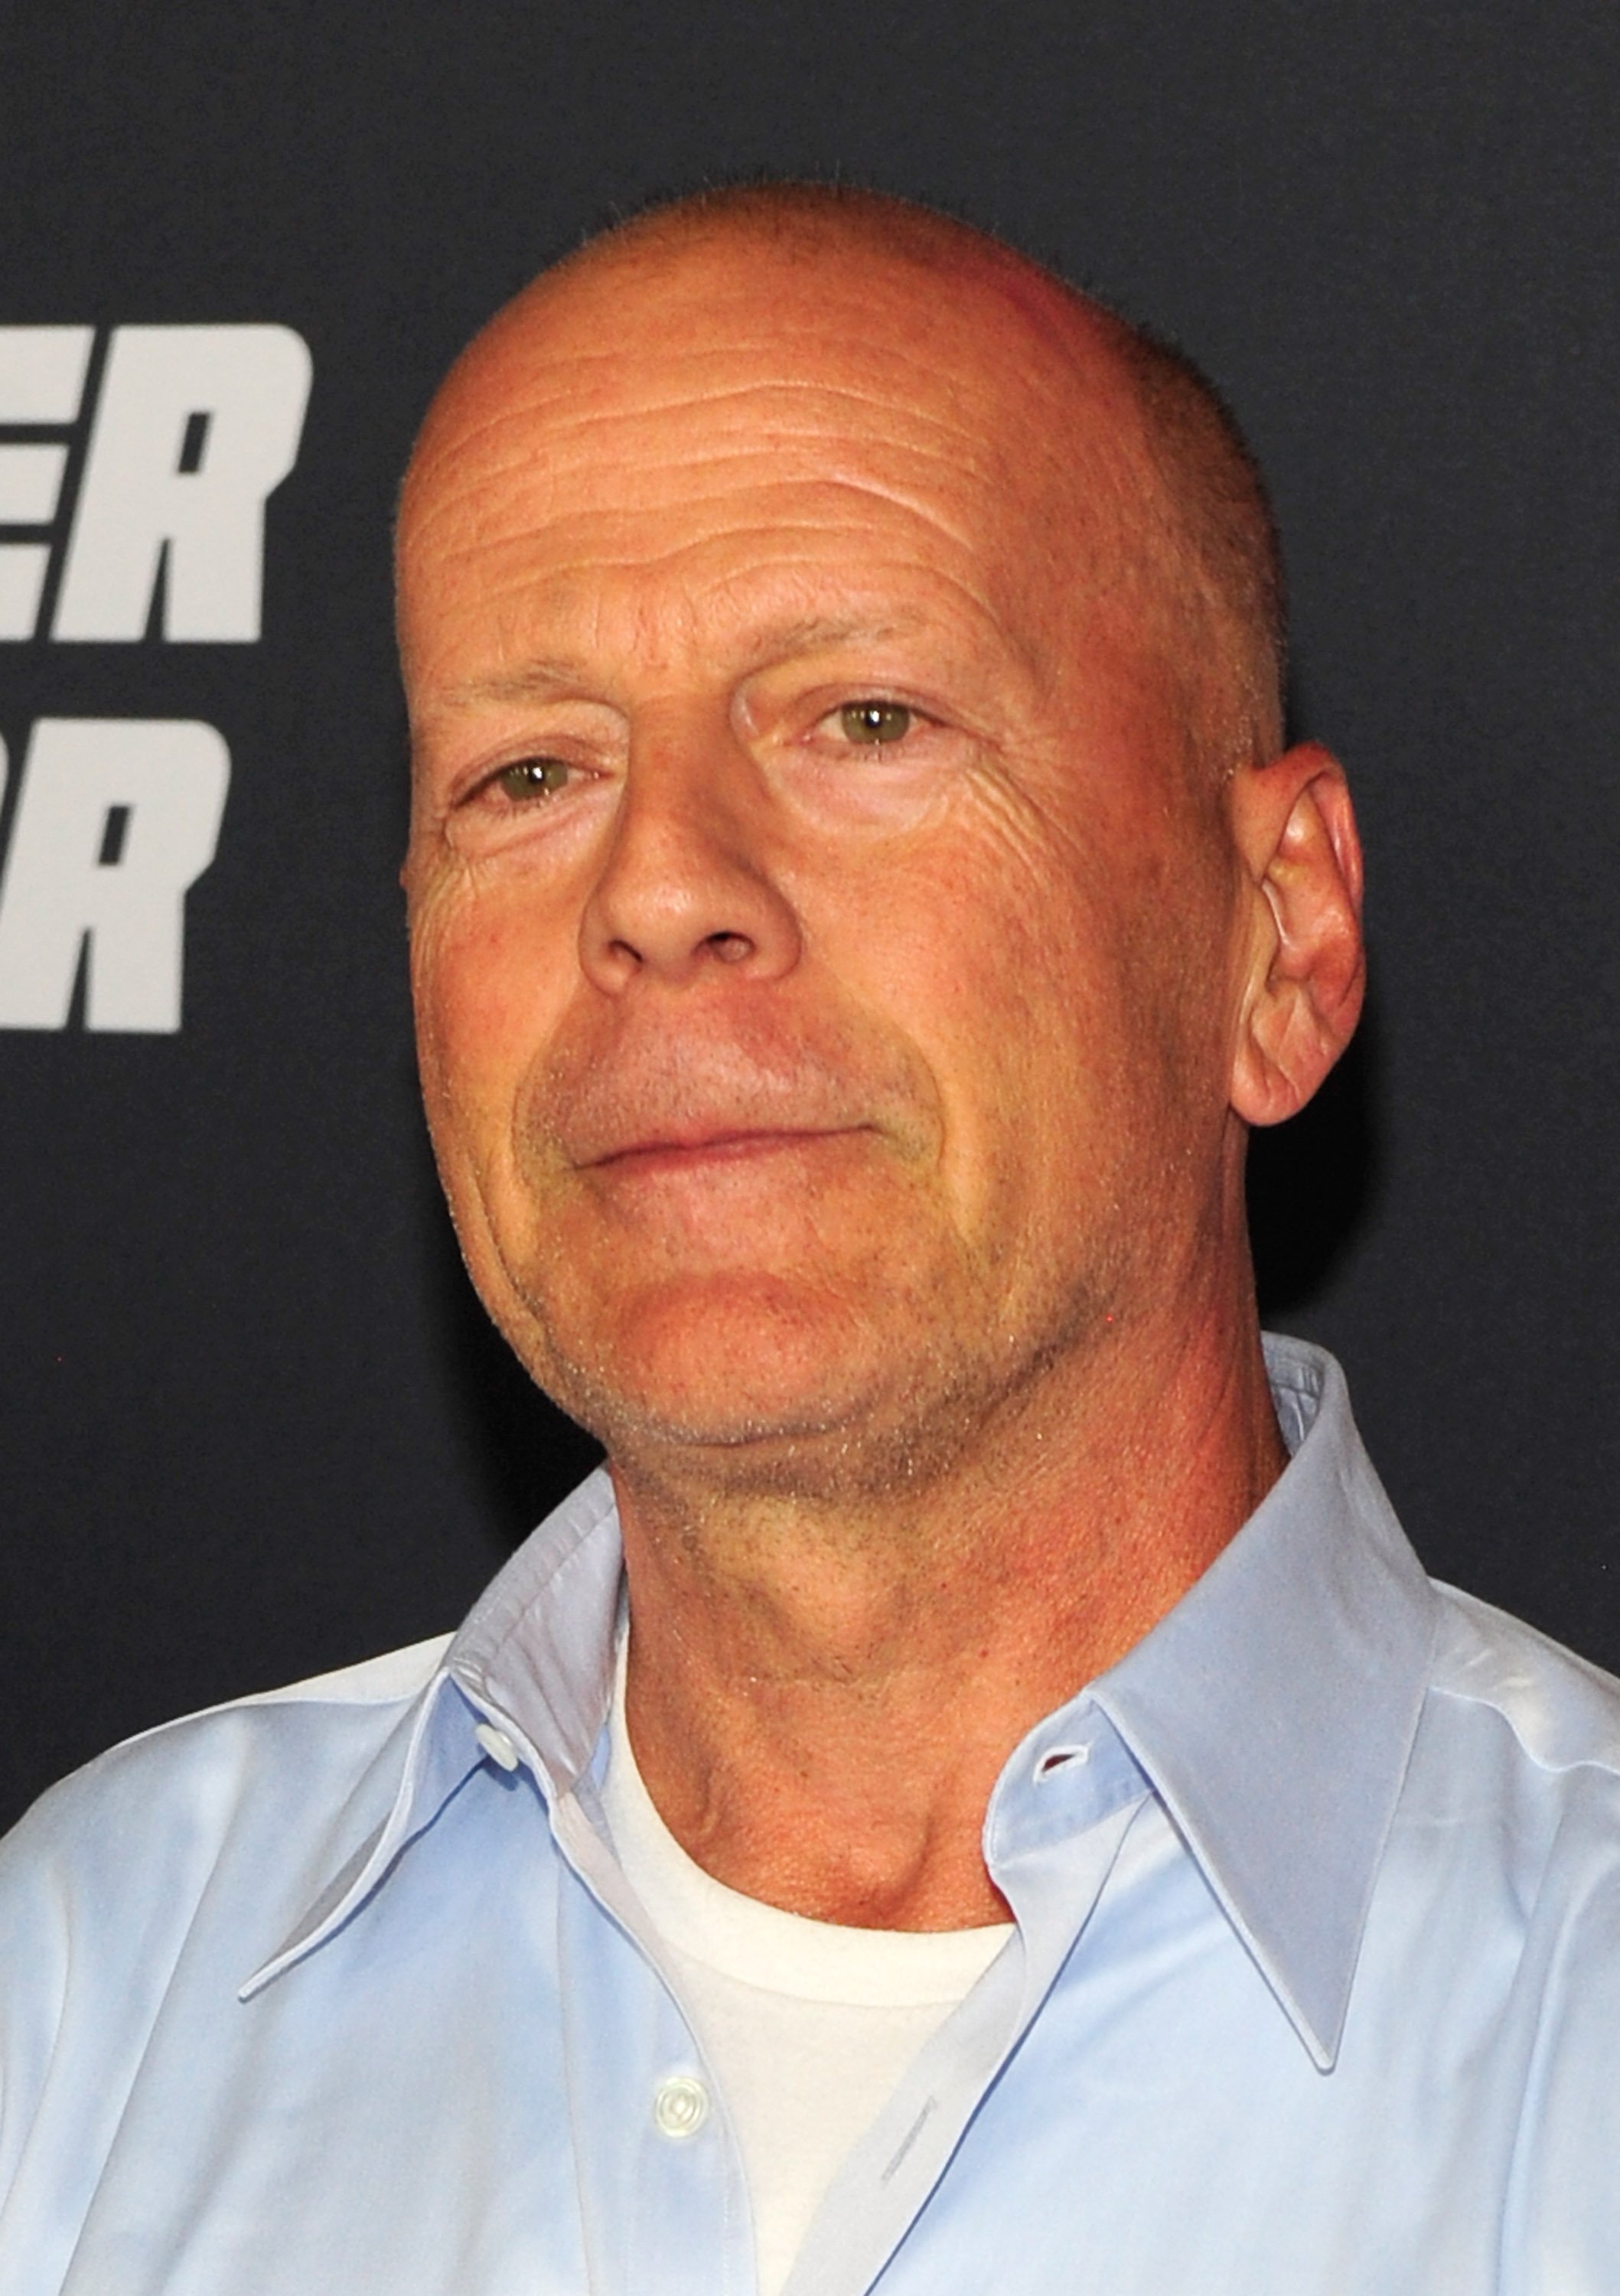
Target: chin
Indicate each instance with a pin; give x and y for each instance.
(745, 1365)
(760, 1389)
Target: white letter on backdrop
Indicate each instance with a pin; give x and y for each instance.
(42, 376)
(195, 428)
(117, 819)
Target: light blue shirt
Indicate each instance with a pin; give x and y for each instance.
(1315, 1990)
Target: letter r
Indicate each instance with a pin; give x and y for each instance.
(117, 819)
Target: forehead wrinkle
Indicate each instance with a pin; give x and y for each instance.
(552, 423)
(536, 436)
(563, 407)
(737, 446)
(543, 503)
(770, 563)
(872, 323)
(604, 534)
(558, 462)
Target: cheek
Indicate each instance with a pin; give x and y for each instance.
(1053, 992)
(988, 957)
(485, 978)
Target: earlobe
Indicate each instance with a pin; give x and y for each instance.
(1302, 964)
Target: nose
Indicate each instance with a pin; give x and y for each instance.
(686, 885)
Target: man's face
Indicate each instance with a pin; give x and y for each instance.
(821, 942)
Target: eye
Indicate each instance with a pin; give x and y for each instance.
(528, 779)
(875, 722)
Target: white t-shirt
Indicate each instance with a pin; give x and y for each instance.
(805, 2025)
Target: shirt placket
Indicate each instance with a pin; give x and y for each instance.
(1051, 1844)
(663, 2196)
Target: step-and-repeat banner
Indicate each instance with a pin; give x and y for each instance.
(251, 1422)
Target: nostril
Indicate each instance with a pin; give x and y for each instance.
(729, 947)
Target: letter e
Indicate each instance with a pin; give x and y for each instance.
(196, 427)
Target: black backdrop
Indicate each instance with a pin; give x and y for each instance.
(251, 1425)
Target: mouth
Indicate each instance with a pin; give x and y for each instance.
(686, 1151)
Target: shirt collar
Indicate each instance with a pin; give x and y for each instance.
(536, 1650)
(1272, 1710)
(534, 1661)
(1275, 1707)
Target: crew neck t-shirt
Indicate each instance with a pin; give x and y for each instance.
(806, 2027)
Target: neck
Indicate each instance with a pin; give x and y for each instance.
(823, 1692)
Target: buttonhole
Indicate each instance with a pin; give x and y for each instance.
(1055, 1759)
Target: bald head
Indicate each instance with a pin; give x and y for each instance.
(1195, 525)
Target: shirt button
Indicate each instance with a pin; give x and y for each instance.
(497, 1745)
(680, 2106)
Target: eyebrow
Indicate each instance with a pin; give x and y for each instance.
(822, 631)
(543, 675)
(557, 673)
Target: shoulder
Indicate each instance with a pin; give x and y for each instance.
(245, 1804)
(200, 1766)
(1524, 1811)
(1562, 1712)
(1515, 1772)
(167, 1872)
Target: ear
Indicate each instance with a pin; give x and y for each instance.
(1302, 965)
